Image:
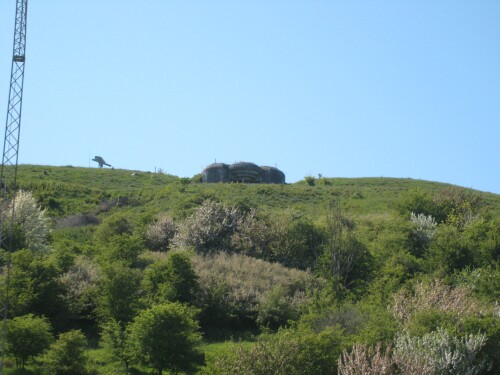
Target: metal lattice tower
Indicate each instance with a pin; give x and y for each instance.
(8, 173)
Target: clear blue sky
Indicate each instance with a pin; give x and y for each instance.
(343, 88)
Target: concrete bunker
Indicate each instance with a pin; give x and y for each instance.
(244, 172)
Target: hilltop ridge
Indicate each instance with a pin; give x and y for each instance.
(67, 190)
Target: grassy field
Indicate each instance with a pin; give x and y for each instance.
(69, 190)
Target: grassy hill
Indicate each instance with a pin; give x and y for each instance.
(69, 190)
(358, 272)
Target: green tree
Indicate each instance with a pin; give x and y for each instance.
(33, 285)
(114, 339)
(121, 247)
(80, 285)
(295, 241)
(345, 260)
(417, 201)
(457, 206)
(118, 292)
(448, 251)
(114, 225)
(285, 237)
(27, 337)
(275, 310)
(484, 237)
(66, 356)
(166, 338)
(171, 280)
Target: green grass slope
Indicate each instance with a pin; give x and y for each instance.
(65, 191)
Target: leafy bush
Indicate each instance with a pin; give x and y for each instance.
(435, 353)
(79, 220)
(27, 337)
(448, 252)
(30, 225)
(345, 261)
(441, 353)
(369, 360)
(396, 270)
(118, 292)
(253, 237)
(114, 340)
(416, 201)
(457, 206)
(484, 281)
(209, 228)
(289, 352)
(430, 320)
(114, 225)
(160, 233)
(436, 296)
(122, 247)
(349, 317)
(66, 355)
(285, 237)
(310, 180)
(80, 286)
(165, 337)
(422, 233)
(274, 310)
(489, 326)
(482, 237)
(33, 286)
(295, 240)
(361, 322)
(172, 279)
(241, 284)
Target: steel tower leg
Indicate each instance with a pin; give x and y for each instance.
(8, 172)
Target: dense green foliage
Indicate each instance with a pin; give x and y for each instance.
(165, 337)
(289, 352)
(170, 280)
(66, 356)
(142, 266)
(27, 337)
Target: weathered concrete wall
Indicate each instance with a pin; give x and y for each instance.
(245, 172)
(217, 172)
(242, 172)
(271, 175)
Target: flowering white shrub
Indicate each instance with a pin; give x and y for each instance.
(424, 223)
(440, 353)
(251, 284)
(433, 354)
(424, 228)
(160, 233)
(367, 360)
(209, 228)
(79, 283)
(435, 296)
(31, 225)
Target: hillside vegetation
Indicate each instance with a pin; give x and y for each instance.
(323, 276)
(69, 190)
